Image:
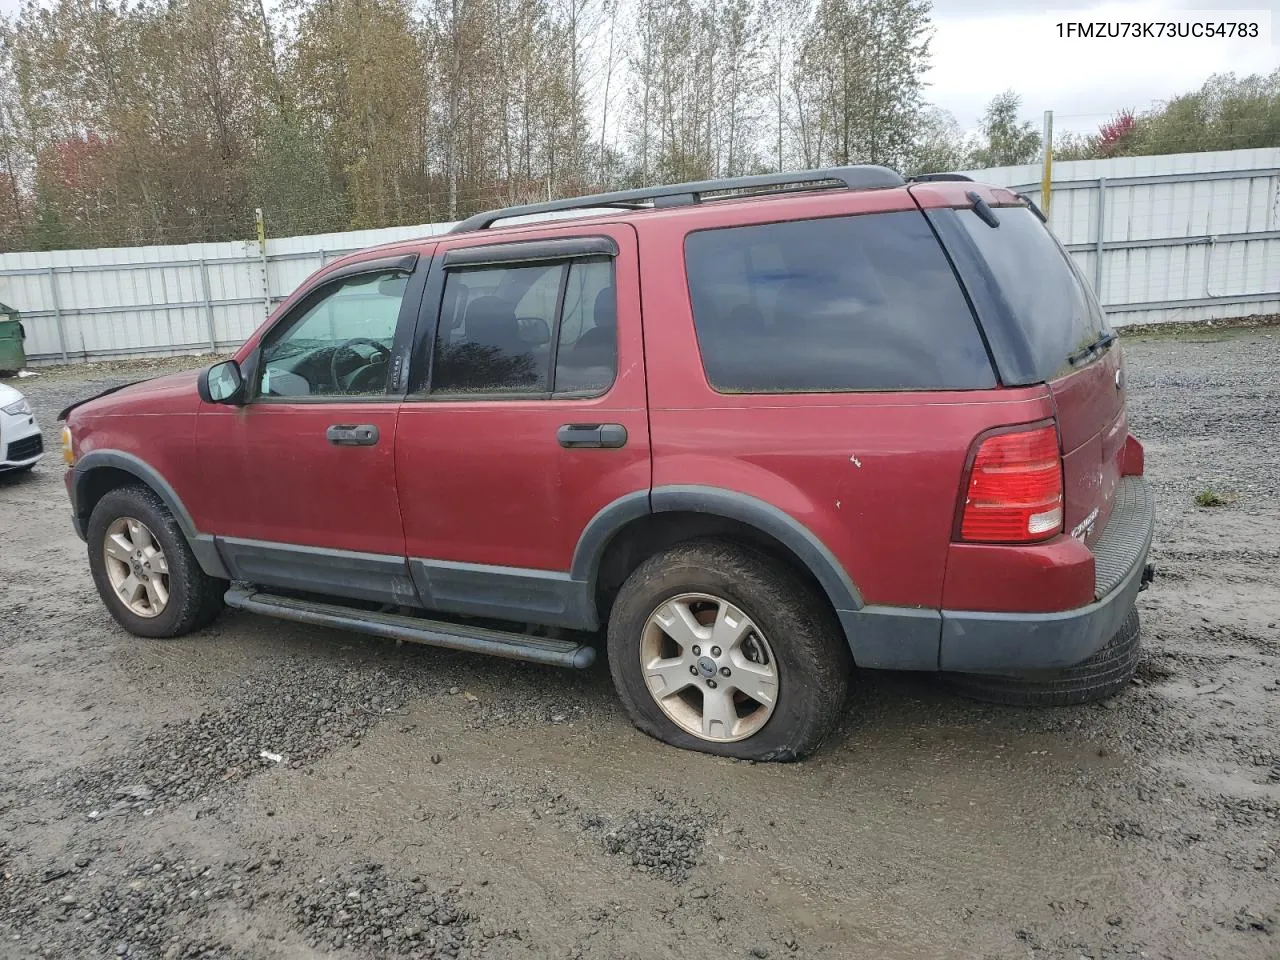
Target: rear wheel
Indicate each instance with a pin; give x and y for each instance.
(1100, 677)
(714, 646)
(143, 568)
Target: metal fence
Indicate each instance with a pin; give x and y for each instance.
(1180, 237)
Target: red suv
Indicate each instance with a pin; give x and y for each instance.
(760, 429)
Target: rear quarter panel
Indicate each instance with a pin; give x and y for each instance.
(875, 476)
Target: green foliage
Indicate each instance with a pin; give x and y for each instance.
(1226, 113)
(1007, 142)
(859, 80)
(290, 179)
(940, 144)
(1209, 497)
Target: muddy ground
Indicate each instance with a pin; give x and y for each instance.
(436, 804)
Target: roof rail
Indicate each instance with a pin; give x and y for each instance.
(866, 177)
(935, 177)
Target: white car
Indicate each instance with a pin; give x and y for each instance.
(21, 443)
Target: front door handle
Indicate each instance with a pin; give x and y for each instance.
(573, 435)
(352, 434)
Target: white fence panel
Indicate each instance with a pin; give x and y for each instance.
(1182, 237)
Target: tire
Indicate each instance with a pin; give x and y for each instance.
(792, 632)
(194, 598)
(1099, 678)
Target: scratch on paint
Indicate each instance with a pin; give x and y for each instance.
(855, 461)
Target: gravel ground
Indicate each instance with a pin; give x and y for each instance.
(269, 790)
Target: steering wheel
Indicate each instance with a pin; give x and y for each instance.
(375, 362)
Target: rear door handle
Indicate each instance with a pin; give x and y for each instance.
(610, 435)
(352, 434)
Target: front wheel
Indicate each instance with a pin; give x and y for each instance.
(143, 568)
(715, 646)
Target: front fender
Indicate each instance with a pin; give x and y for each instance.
(80, 487)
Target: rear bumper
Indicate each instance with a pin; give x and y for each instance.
(977, 642)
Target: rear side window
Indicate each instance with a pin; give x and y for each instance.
(840, 304)
(1047, 299)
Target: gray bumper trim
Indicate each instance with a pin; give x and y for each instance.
(1126, 536)
(1010, 643)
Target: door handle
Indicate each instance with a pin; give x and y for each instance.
(352, 434)
(609, 435)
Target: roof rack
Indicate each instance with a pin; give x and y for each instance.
(935, 177)
(865, 177)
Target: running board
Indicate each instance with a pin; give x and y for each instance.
(436, 633)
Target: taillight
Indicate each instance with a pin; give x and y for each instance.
(1014, 492)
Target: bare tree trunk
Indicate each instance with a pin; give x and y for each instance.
(269, 40)
(608, 76)
(779, 64)
(454, 92)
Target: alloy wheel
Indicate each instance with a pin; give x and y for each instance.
(709, 667)
(136, 567)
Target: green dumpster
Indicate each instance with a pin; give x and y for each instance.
(12, 356)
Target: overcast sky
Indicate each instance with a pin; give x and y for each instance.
(982, 47)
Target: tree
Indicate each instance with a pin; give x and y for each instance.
(357, 72)
(150, 121)
(1114, 135)
(787, 21)
(940, 144)
(858, 81)
(1006, 141)
(13, 206)
(291, 179)
(1226, 113)
(1074, 146)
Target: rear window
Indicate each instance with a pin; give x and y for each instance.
(1048, 300)
(840, 304)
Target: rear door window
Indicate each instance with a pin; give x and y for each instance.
(526, 330)
(838, 304)
(1047, 299)
(499, 339)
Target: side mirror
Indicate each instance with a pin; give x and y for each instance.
(222, 383)
(534, 331)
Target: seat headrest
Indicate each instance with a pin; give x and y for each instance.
(491, 320)
(606, 309)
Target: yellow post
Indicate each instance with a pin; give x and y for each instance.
(1046, 178)
(261, 222)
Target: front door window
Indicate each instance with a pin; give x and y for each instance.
(339, 344)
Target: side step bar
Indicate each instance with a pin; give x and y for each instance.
(395, 626)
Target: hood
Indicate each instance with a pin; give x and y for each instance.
(172, 393)
(8, 395)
